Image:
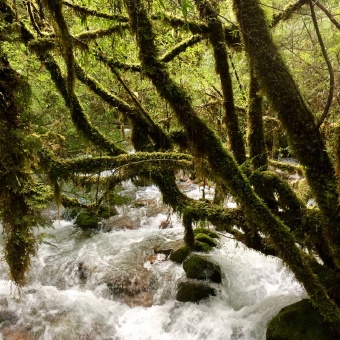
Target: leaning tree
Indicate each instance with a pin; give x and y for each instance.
(111, 65)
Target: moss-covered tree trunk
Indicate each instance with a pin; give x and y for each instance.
(209, 13)
(207, 145)
(304, 136)
(15, 210)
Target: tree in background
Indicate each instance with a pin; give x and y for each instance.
(196, 84)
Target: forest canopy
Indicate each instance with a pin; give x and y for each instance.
(142, 90)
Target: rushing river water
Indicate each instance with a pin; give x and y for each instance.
(68, 293)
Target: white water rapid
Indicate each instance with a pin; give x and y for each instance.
(67, 296)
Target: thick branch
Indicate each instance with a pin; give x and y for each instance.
(287, 12)
(217, 40)
(93, 165)
(181, 47)
(304, 136)
(142, 119)
(328, 63)
(100, 33)
(91, 12)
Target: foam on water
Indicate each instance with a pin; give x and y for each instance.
(59, 302)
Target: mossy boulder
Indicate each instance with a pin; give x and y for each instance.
(193, 291)
(299, 321)
(205, 231)
(201, 268)
(106, 211)
(205, 239)
(87, 221)
(180, 254)
(168, 247)
(202, 247)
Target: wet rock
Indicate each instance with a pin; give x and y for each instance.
(202, 247)
(200, 268)
(143, 299)
(299, 321)
(168, 247)
(3, 302)
(180, 254)
(8, 316)
(12, 334)
(193, 291)
(134, 287)
(82, 272)
(122, 222)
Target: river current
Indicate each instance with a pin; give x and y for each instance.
(68, 294)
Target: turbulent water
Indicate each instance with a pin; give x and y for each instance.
(69, 293)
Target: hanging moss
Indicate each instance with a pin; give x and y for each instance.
(20, 195)
(255, 134)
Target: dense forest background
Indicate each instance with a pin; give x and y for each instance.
(219, 90)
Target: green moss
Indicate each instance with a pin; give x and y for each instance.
(299, 321)
(190, 291)
(198, 267)
(87, 221)
(180, 254)
(205, 239)
(202, 247)
(205, 231)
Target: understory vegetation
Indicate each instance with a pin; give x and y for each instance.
(94, 93)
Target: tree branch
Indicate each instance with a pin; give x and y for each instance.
(328, 63)
(328, 13)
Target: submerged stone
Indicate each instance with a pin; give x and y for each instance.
(192, 291)
(299, 321)
(200, 268)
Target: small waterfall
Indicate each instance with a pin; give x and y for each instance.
(111, 285)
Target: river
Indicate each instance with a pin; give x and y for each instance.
(68, 293)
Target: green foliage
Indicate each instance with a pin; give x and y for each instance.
(87, 86)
